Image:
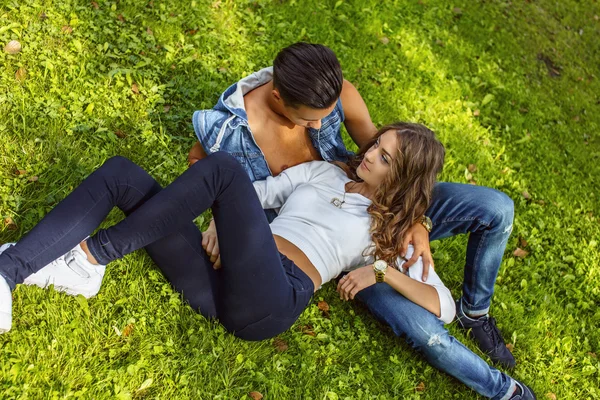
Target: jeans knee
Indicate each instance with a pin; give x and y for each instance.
(431, 341)
(119, 163)
(504, 208)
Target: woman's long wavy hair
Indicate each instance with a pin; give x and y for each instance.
(404, 195)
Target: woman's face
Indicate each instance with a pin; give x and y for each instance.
(378, 159)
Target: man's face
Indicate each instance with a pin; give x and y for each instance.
(306, 116)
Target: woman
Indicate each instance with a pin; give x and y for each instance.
(328, 222)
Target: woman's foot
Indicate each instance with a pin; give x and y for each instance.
(71, 273)
(5, 306)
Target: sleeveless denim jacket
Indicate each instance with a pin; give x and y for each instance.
(225, 127)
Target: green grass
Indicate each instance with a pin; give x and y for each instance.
(474, 71)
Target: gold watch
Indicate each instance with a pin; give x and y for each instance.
(380, 267)
(426, 222)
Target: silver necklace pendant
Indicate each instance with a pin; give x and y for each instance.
(337, 202)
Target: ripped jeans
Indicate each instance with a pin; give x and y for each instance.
(487, 215)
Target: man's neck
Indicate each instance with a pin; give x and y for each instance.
(275, 107)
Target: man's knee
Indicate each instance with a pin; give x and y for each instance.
(503, 208)
(430, 339)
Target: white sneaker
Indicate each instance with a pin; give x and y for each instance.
(71, 273)
(5, 305)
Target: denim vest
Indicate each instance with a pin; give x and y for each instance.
(225, 127)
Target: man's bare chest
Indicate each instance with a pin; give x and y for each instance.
(284, 147)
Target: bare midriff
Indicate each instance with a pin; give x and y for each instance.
(292, 252)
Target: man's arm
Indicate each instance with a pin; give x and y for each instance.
(196, 153)
(358, 121)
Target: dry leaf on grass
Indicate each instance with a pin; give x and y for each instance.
(255, 395)
(520, 253)
(280, 345)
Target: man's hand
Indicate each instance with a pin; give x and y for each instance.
(196, 153)
(210, 244)
(418, 236)
(356, 281)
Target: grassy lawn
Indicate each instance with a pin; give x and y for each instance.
(511, 87)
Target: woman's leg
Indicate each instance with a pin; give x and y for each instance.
(426, 334)
(258, 296)
(118, 182)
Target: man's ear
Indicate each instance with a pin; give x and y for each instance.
(276, 95)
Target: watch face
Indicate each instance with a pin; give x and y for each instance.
(380, 265)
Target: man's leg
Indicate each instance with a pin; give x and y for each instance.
(487, 215)
(426, 334)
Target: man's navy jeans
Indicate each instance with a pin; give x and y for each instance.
(258, 292)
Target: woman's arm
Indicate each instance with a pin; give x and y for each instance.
(433, 296)
(274, 191)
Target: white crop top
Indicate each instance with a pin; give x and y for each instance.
(332, 238)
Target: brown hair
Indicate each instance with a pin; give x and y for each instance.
(404, 195)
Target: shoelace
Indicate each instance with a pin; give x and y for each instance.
(72, 260)
(489, 326)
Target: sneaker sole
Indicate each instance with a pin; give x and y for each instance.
(5, 322)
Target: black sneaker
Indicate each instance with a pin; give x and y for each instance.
(488, 337)
(523, 392)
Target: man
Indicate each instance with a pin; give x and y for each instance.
(292, 113)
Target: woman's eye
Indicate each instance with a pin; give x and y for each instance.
(384, 158)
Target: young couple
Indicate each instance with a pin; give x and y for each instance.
(293, 209)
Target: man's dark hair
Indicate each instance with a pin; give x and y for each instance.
(308, 74)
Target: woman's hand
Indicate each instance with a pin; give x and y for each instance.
(210, 244)
(356, 281)
(419, 237)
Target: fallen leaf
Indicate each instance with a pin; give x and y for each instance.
(472, 168)
(13, 47)
(307, 330)
(21, 74)
(280, 344)
(384, 40)
(520, 253)
(476, 113)
(510, 347)
(541, 202)
(128, 330)
(523, 110)
(522, 242)
(120, 134)
(95, 5)
(20, 172)
(526, 195)
(255, 395)
(66, 29)
(120, 18)
(323, 306)
(167, 108)
(551, 396)
(420, 387)
(10, 224)
(593, 355)
(32, 179)
(135, 88)
(473, 182)
(149, 31)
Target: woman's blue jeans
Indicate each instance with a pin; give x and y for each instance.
(258, 292)
(487, 215)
